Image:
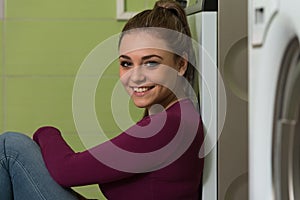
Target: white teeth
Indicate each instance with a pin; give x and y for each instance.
(140, 89)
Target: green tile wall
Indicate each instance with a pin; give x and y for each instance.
(67, 9)
(42, 45)
(1, 48)
(35, 101)
(1, 77)
(53, 47)
(135, 5)
(1, 105)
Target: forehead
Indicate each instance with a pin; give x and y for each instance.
(141, 40)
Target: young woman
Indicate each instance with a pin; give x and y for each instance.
(159, 156)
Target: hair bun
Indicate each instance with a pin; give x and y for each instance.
(172, 6)
(166, 4)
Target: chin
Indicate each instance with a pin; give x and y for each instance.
(141, 104)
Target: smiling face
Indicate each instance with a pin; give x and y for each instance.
(149, 71)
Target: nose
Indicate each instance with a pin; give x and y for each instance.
(137, 75)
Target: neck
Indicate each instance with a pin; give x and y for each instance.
(157, 108)
(168, 102)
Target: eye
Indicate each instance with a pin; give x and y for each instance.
(125, 64)
(151, 64)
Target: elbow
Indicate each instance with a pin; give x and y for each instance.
(60, 179)
(61, 176)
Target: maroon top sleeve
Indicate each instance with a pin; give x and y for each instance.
(73, 169)
(69, 168)
(122, 156)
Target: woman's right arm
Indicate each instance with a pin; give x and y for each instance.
(69, 168)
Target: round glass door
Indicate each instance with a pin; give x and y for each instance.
(286, 130)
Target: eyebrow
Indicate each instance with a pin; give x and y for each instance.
(143, 58)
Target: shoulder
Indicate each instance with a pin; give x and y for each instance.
(183, 110)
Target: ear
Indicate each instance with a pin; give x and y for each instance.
(183, 64)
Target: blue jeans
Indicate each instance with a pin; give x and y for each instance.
(23, 175)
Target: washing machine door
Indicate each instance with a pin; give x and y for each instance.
(286, 129)
(274, 85)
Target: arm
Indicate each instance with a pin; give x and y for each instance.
(149, 145)
(69, 168)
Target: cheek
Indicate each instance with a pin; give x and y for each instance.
(121, 72)
(123, 80)
(165, 77)
(124, 77)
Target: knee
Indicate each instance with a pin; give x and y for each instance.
(14, 136)
(16, 140)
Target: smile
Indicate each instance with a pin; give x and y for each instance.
(142, 89)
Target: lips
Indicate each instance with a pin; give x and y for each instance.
(142, 89)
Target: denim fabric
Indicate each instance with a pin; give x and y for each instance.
(23, 174)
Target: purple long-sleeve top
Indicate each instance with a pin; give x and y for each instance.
(158, 158)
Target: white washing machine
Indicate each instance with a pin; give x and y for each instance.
(274, 99)
(220, 27)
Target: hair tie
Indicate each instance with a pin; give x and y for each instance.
(169, 9)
